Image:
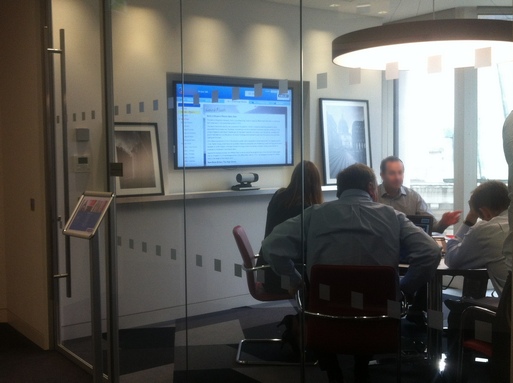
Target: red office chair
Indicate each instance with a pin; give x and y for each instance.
(354, 310)
(256, 289)
(491, 338)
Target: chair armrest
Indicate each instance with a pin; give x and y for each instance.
(358, 317)
(472, 314)
(490, 303)
(261, 267)
(299, 300)
(255, 268)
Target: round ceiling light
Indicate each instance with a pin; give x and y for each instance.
(410, 44)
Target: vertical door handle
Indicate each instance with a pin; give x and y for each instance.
(64, 106)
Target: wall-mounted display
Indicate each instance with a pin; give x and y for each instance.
(345, 135)
(137, 148)
(233, 122)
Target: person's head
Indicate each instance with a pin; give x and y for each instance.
(357, 176)
(311, 181)
(392, 172)
(489, 199)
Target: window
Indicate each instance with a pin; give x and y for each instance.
(495, 102)
(425, 132)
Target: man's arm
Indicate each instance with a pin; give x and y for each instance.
(423, 255)
(423, 209)
(282, 247)
(448, 218)
(463, 251)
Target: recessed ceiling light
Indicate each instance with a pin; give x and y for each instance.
(334, 5)
(363, 5)
(382, 12)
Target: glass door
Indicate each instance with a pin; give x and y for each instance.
(74, 59)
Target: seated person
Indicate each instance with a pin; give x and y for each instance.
(392, 192)
(408, 201)
(287, 203)
(478, 245)
(352, 230)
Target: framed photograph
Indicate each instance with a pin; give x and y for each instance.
(137, 148)
(345, 135)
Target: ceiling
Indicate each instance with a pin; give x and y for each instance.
(393, 10)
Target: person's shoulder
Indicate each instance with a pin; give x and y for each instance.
(279, 194)
(494, 225)
(382, 208)
(407, 190)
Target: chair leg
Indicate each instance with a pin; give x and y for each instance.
(459, 366)
(464, 359)
(398, 365)
(399, 354)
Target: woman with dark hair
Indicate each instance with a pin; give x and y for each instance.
(288, 203)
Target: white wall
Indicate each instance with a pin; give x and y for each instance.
(24, 293)
(261, 41)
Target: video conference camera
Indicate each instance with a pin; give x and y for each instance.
(244, 180)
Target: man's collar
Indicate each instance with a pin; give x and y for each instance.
(383, 193)
(355, 193)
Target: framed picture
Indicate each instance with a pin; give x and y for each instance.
(345, 135)
(137, 148)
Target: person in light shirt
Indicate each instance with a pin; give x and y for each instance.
(392, 192)
(479, 244)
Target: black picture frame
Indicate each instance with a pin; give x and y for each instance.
(345, 135)
(137, 148)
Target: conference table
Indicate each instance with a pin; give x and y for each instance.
(435, 304)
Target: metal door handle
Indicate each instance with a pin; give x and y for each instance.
(67, 244)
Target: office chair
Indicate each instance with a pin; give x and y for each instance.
(256, 289)
(354, 310)
(489, 336)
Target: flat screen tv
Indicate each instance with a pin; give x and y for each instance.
(224, 122)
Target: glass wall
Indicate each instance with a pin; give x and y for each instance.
(229, 87)
(205, 90)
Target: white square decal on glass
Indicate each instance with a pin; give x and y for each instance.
(483, 331)
(285, 282)
(324, 292)
(356, 300)
(258, 90)
(394, 309)
(260, 276)
(435, 319)
(392, 71)
(283, 86)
